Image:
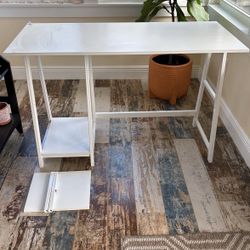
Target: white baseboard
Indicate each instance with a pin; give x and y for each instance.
(100, 72)
(238, 135)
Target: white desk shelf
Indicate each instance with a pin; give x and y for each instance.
(58, 191)
(66, 137)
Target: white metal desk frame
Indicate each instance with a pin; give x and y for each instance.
(137, 46)
(90, 107)
(215, 95)
(92, 114)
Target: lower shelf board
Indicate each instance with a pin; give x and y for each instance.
(66, 137)
(59, 191)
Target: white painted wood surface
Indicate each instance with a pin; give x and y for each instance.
(206, 207)
(66, 137)
(72, 191)
(124, 38)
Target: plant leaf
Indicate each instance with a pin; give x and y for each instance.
(149, 10)
(154, 12)
(180, 15)
(196, 10)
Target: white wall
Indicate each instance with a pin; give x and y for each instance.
(236, 90)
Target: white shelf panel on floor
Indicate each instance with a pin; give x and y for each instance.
(66, 137)
(71, 191)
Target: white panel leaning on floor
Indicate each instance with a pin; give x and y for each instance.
(94, 39)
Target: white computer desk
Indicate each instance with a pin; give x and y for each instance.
(99, 39)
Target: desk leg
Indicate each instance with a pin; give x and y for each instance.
(34, 110)
(201, 89)
(89, 90)
(44, 88)
(216, 108)
(92, 92)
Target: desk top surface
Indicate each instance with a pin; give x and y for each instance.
(124, 38)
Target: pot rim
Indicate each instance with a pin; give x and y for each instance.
(5, 105)
(169, 65)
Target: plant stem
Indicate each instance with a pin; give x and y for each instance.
(172, 7)
(167, 10)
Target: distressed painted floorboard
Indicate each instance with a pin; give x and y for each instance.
(142, 183)
(60, 230)
(91, 226)
(13, 195)
(178, 207)
(206, 207)
(29, 233)
(150, 210)
(9, 154)
(177, 202)
(121, 210)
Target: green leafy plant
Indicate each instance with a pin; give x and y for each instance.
(152, 7)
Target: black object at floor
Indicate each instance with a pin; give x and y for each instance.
(6, 130)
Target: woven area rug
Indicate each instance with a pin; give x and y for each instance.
(199, 241)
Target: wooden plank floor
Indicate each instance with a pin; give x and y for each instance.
(151, 174)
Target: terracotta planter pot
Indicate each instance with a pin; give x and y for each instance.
(4, 114)
(169, 80)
